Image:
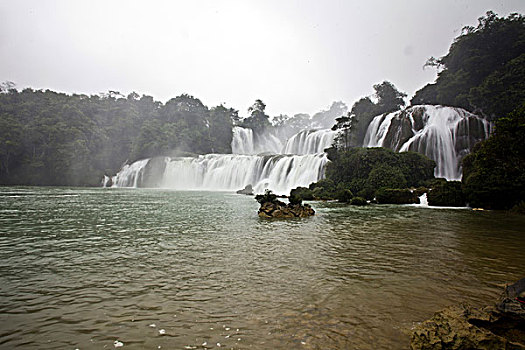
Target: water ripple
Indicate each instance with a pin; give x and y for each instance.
(87, 267)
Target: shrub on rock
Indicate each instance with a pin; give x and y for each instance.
(358, 201)
(396, 196)
(447, 194)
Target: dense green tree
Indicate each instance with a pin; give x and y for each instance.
(388, 99)
(482, 71)
(344, 125)
(365, 170)
(494, 173)
(220, 128)
(258, 120)
(49, 138)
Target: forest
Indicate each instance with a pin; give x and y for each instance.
(50, 138)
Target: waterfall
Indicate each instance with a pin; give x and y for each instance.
(444, 134)
(258, 160)
(309, 142)
(245, 141)
(227, 172)
(242, 142)
(130, 175)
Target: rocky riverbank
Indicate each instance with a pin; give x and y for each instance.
(501, 326)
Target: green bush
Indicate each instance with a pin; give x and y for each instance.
(295, 199)
(268, 196)
(364, 170)
(494, 173)
(344, 196)
(323, 189)
(447, 194)
(396, 196)
(358, 201)
(303, 193)
(387, 177)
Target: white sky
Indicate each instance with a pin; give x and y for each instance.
(297, 56)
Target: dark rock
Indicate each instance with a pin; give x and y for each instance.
(466, 327)
(109, 182)
(278, 209)
(248, 190)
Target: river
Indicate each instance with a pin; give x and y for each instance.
(160, 269)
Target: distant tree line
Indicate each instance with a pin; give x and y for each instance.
(50, 138)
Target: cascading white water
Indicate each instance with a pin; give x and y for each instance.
(227, 172)
(304, 164)
(130, 174)
(232, 172)
(309, 142)
(444, 134)
(377, 130)
(242, 142)
(246, 142)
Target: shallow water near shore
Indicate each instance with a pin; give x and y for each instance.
(83, 268)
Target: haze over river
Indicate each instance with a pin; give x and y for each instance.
(83, 268)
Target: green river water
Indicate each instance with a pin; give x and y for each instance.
(159, 269)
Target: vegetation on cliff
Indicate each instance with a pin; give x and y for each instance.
(494, 173)
(352, 126)
(366, 171)
(483, 71)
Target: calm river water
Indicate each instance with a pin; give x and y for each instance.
(157, 269)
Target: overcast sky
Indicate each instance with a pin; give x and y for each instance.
(297, 56)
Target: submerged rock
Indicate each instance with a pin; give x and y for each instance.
(464, 327)
(280, 210)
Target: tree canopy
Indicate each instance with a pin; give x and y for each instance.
(483, 71)
(258, 120)
(494, 173)
(353, 126)
(49, 138)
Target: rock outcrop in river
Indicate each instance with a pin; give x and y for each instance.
(279, 210)
(271, 207)
(501, 326)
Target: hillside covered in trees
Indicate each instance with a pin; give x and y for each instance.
(484, 70)
(49, 138)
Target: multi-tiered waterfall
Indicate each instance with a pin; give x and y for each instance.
(444, 134)
(264, 161)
